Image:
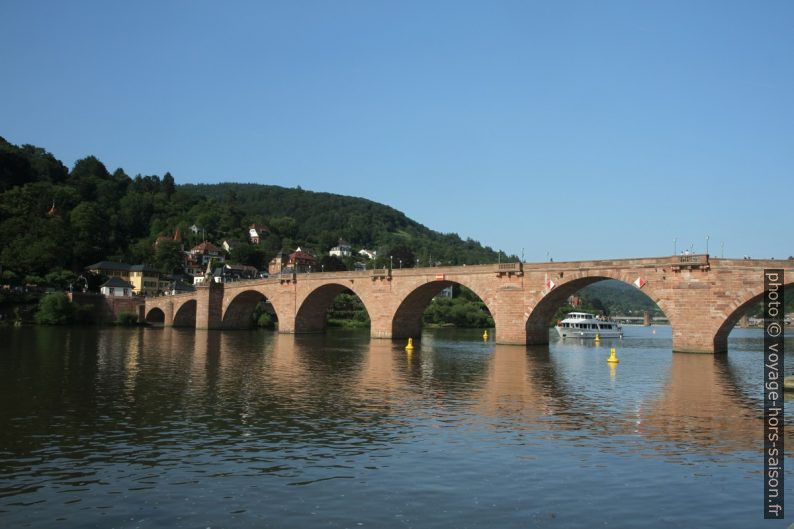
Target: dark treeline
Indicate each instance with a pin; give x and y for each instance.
(54, 221)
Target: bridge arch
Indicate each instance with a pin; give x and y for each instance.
(238, 311)
(310, 316)
(739, 308)
(537, 323)
(407, 319)
(155, 316)
(185, 315)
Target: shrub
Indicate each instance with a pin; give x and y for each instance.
(265, 321)
(55, 309)
(127, 318)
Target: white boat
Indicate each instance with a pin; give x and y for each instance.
(585, 325)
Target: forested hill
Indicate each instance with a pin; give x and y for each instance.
(57, 220)
(319, 220)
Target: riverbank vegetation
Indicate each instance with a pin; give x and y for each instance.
(57, 309)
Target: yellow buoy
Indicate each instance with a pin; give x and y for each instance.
(485, 335)
(597, 338)
(613, 359)
(410, 346)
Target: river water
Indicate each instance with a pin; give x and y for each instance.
(148, 428)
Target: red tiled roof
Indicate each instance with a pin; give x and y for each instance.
(205, 247)
(300, 255)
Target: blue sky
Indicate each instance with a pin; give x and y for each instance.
(572, 130)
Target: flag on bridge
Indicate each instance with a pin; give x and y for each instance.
(639, 282)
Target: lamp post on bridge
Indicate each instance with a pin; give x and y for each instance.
(675, 245)
(707, 244)
(391, 262)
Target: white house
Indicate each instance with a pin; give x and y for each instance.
(257, 232)
(343, 249)
(205, 251)
(115, 286)
(369, 254)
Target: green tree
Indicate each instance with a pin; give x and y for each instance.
(89, 229)
(86, 174)
(249, 254)
(55, 309)
(285, 227)
(169, 186)
(168, 257)
(60, 278)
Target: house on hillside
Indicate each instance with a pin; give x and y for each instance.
(177, 237)
(145, 280)
(342, 249)
(202, 253)
(277, 264)
(193, 266)
(237, 272)
(228, 245)
(110, 269)
(298, 262)
(115, 286)
(257, 233)
(369, 254)
(301, 261)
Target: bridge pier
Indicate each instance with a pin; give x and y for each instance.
(168, 310)
(380, 328)
(695, 344)
(699, 336)
(209, 306)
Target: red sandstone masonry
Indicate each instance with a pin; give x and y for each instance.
(701, 302)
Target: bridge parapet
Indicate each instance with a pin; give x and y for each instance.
(693, 261)
(509, 269)
(381, 273)
(165, 297)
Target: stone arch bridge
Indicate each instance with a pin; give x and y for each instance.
(702, 297)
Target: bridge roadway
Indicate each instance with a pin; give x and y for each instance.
(702, 297)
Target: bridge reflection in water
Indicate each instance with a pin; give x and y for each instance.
(566, 387)
(252, 428)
